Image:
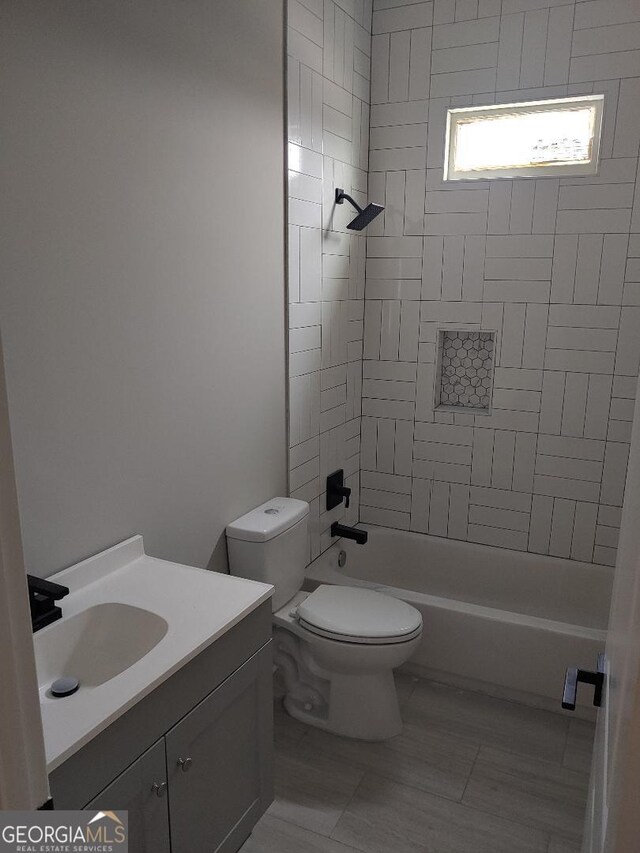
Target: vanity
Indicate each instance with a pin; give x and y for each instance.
(182, 736)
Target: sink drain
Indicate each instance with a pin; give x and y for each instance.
(64, 687)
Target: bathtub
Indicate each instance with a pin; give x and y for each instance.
(504, 622)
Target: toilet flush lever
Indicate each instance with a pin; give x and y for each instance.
(336, 490)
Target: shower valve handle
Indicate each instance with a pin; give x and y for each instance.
(336, 490)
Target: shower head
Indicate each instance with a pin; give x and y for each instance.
(365, 215)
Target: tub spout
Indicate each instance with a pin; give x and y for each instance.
(360, 536)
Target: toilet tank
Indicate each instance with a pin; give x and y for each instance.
(269, 544)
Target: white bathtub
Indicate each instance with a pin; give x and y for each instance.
(505, 622)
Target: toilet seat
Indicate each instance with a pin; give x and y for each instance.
(358, 615)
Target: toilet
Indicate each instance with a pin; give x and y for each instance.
(336, 647)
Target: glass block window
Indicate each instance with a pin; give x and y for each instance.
(555, 137)
(465, 369)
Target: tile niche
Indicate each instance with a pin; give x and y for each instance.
(464, 378)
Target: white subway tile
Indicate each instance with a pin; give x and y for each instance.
(385, 500)
(563, 337)
(562, 527)
(385, 518)
(413, 112)
(584, 316)
(559, 487)
(522, 379)
(458, 454)
(574, 469)
(517, 291)
(614, 473)
(628, 354)
(610, 515)
(463, 82)
(500, 498)
(392, 159)
(399, 136)
(600, 13)
(511, 539)
(510, 52)
(579, 361)
(439, 509)
(584, 527)
(465, 58)
(399, 49)
(466, 33)
(388, 389)
(593, 221)
(604, 556)
(589, 196)
(540, 530)
(420, 62)
(559, 38)
(534, 43)
(520, 246)
(605, 66)
(455, 223)
(524, 462)
(303, 49)
(510, 420)
(445, 471)
(518, 269)
(482, 462)
(402, 18)
(504, 449)
(396, 409)
(505, 519)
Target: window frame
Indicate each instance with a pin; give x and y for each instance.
(561, 169)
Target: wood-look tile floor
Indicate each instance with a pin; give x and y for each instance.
(468, 774)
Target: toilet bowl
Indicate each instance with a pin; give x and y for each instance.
(336, 647)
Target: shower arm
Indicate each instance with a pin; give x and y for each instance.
(340, 197)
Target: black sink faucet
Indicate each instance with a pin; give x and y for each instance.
(42, 595)
(359, 536)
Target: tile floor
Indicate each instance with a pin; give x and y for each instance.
(469, 774)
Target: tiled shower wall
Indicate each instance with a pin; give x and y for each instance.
(552, 265)
(329, 44)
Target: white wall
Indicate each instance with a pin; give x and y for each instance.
(328, 111)
(553, 265)
(142, 280)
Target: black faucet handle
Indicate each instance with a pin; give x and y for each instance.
(336, 490)
(49, 589)
(345, 491)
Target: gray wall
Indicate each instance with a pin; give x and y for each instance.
(142, 279)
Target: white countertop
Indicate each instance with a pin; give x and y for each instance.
(198, 605)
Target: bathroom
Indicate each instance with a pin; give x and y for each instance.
(319, 327)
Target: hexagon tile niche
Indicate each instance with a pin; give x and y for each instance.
(465, 374)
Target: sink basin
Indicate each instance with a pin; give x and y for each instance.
(129, 622)
(97, 644)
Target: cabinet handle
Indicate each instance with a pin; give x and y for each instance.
(185, 764)
(159, 788)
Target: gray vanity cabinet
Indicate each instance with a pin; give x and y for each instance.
(205, 734)
(142, 791)
(219, 764)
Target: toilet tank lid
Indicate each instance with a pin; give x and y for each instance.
(268, 520)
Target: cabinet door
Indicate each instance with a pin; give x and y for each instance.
(134, 791)
(219, 762)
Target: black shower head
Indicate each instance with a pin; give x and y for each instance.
(365, 215)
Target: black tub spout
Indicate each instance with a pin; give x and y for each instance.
(359, 536)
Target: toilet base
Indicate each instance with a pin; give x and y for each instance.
(359, 706)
